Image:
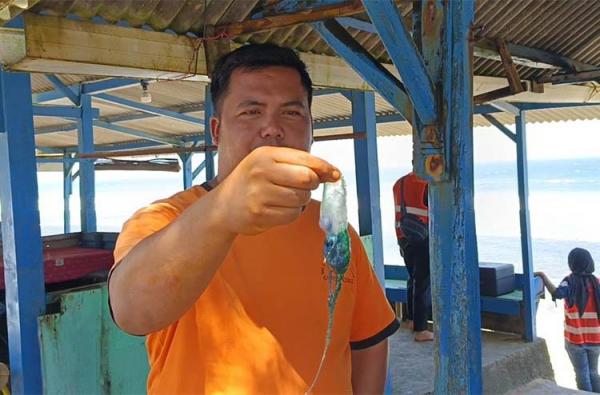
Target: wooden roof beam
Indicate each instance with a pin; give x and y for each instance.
(530, 57)
(58, 45)
(290, 16)
(573, 78)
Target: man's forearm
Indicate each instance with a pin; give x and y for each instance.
(161, 278)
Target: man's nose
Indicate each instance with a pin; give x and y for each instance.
(272, 129)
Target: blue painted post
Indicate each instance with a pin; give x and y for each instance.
(67, 191)
(528, 289)
(186, 165)
(367, 174)
(21, 236)
(209, 156)
(453, 241)
(87, 179)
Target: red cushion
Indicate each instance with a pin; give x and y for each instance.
(63, 264)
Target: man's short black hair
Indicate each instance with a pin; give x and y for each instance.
(253, 57)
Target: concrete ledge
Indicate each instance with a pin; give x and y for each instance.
(544, 387)
(508, 363)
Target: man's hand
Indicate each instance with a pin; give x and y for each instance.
(270, 187)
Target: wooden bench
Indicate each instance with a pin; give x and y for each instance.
(502, 313)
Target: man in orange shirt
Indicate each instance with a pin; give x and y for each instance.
(227, 279)
(411, 198)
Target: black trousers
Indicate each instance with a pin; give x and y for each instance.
(416, 258)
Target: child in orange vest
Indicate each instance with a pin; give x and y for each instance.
(581, 293)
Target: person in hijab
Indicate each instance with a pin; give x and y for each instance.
(581, 293)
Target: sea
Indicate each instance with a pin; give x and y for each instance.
(564, 211)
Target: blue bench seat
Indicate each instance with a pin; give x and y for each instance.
(508, 304)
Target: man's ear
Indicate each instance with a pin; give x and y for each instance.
(215, 130)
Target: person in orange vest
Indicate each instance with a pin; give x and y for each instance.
(411, 197)
(581, 293)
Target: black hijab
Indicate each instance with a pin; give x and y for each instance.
(581, 278)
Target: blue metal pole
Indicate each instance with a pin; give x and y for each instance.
(21, 236)
(67, 191)
(87, 177)
(188, 177)
(453, 242)
(528, 289)
(209, 156)
(367, 175)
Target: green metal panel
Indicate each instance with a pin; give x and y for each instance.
(83, 352)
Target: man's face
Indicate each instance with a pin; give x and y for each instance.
(264, 107)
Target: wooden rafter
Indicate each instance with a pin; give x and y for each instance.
(291, 19)
(515, 86)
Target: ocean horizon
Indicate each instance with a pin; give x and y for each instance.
(564, 200)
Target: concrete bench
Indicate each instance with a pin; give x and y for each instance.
(502, 313)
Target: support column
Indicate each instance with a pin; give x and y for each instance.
(186, 165)
(522, 174)
(209, 156)
(87, 178)
(367, 174)
(67, 192)
(21, 236)
(445, 158)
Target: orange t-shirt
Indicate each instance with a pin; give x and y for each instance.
(259, 327)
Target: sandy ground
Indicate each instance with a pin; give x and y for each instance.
(550, 319)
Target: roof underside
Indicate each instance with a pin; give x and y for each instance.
(568, 28)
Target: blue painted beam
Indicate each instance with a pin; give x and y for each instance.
(64, 89)
(549, 106)
(198, 169)
(68, 163)
(21, 236)
(491, 119)
(186, 166)
(209, 156)
(453, 241)
(365, 65)
(386, 18)
(529, 296)
(88, 88)
(148, 109)
(114, 120)
(67, 112)
(506, 107)
(367, 175)
(96, 87)
(15, 23)
(87, 179)
(355, 23)
(137, 133)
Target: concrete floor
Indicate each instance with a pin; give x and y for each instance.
(508, 363)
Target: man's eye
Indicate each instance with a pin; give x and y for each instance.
(293, 113)
(251, 112)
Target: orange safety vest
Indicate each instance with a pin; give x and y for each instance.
(414, 196)
(584, 329)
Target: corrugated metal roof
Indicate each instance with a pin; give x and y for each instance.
(566, 27)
